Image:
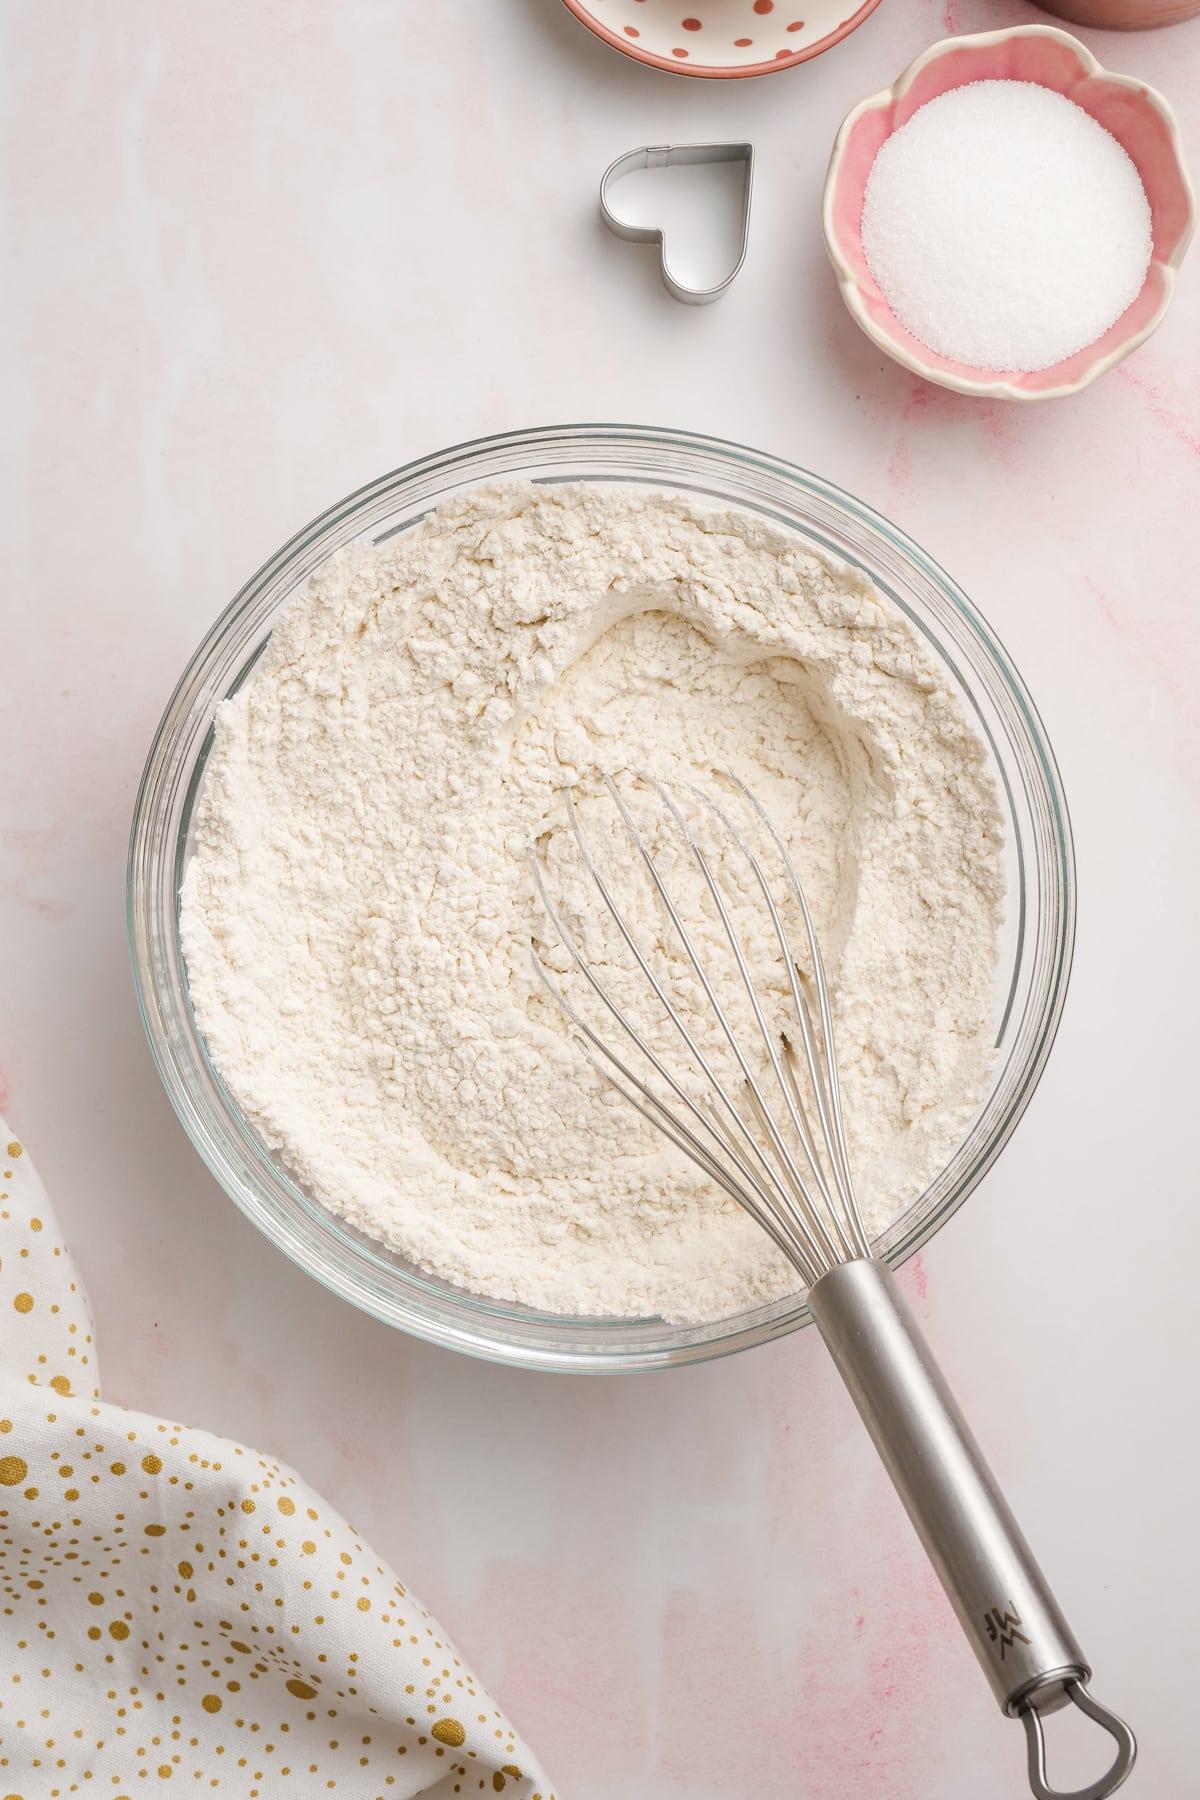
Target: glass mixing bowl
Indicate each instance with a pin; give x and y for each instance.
(1035, 950)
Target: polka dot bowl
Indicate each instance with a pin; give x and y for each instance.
(721, 39)
(1137, 116)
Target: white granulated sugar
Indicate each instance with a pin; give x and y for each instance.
(1005, 227)
(358, 909)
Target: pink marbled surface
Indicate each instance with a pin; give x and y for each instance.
(260, 252)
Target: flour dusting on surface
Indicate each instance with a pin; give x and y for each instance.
(358, 908)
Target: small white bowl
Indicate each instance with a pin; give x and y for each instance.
(721, 40)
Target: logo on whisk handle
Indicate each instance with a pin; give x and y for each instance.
(1002, 1628)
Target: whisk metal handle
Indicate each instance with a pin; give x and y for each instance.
(1009, 1615)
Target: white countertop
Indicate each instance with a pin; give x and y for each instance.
(265, 251)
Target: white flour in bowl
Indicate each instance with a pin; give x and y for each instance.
(358, 908)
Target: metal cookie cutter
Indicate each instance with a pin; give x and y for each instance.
(660, 156)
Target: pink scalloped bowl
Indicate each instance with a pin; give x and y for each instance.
(721, 39)
(1137, 116)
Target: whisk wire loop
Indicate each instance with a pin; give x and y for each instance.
(774, 1135)
(661, 1113)
(835, 1127)
(650, 1106)
(851, 1242)
(780, 1203)
(809, 1213)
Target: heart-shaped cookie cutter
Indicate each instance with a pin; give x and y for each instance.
(660, 156)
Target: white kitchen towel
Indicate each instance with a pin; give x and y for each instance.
(176, 1609)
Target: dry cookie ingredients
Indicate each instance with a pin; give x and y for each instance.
(358, 907)
(1006, 227)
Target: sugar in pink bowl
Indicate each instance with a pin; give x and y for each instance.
(721, 39)
(1137, 116)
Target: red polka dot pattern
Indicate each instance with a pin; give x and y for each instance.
(663, 33)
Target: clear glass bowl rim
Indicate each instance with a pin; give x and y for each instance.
(427, 1309)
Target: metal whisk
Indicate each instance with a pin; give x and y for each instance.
(761, 1115)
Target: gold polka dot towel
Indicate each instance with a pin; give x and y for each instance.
(177, 1610)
